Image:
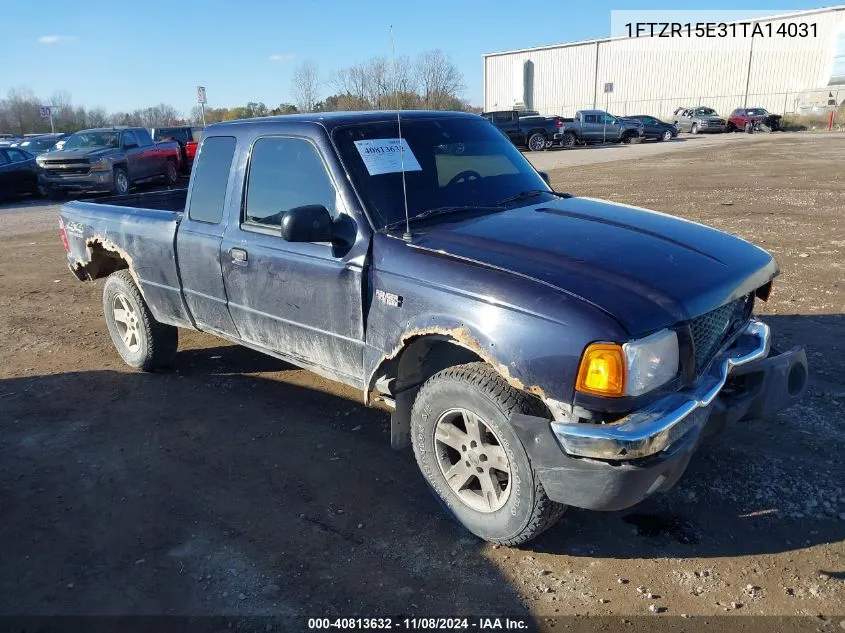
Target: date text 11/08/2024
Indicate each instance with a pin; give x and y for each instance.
(421, 624)
(721, 29)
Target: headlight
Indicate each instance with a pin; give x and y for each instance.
(632, 369)
(650, 362)
(101, 164)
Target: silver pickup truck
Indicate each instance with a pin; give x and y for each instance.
(108, 159)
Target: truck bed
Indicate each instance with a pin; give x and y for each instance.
(169, 200)
(135, 231)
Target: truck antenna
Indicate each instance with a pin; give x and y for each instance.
(407, 235)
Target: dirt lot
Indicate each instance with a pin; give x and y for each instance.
(238, 485)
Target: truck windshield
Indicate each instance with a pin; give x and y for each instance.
(82, 140)
(757, 111)
(704, 112)
(449, 162)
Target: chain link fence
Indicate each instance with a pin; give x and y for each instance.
(804, 102)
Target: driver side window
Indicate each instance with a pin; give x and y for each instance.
(285, 173)
(129, 139)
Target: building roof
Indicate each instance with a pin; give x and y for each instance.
(796, 14)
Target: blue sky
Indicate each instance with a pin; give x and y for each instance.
(141, 53)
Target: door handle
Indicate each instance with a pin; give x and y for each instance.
(239, 256)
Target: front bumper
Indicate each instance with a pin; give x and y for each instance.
(614, 466)
(710, 127)
(92, 181)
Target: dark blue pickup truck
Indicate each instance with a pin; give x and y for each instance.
(538, 350)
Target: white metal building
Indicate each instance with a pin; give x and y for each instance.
(656, 75)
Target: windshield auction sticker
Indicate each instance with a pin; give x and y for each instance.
(387, 156)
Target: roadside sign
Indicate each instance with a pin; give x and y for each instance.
(46, 112)
(608, 88)
(201, 94)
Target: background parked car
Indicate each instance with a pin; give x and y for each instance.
(533, 131)
(654, 128)
(18, 172)
(750, 119)
(39, 144)
(597, 126)
(699, 119)
(188, 138)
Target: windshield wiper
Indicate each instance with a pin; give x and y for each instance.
(437, 211)
(531, 193)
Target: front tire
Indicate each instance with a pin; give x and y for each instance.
(472, 458)
(694, 129)
(536, 142)
(141, 341)
(666, 136)
(120, 182)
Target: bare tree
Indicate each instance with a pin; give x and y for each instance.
(440, 81)
(352, 82)
(306, 85)
(96, 117)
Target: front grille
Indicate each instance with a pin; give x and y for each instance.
(67, 171)
(711, 330)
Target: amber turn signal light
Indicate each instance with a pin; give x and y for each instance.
(602, 371)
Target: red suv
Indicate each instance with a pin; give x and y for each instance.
(750, 119)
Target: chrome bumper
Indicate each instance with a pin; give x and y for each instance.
(657, 426)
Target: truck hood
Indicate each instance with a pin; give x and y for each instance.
(85, 152)
(645, 269)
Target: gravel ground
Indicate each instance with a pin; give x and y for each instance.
(238, 485)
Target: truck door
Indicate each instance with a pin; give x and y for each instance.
(300, 300)
(590, 128)
(508, 122)
(136, 166)
(155, 160)
(199, 237)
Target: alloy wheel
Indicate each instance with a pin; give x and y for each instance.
(473, 460)
(127, 322)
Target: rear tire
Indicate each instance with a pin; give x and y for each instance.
(141, 341)
(460, 425)
(172, 173)
(568, 140)
(536, 142)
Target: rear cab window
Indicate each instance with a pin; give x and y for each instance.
(178, 134)
(210, 179)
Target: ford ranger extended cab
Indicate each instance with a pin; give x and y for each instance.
(538, 349)
(108, 159)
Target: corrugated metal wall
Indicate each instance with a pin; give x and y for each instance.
(654, 76)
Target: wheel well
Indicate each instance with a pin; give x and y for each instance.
(102, 263)
(403, 376)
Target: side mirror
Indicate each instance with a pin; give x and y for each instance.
(545, 176)
(309, 223)
(130, 145)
